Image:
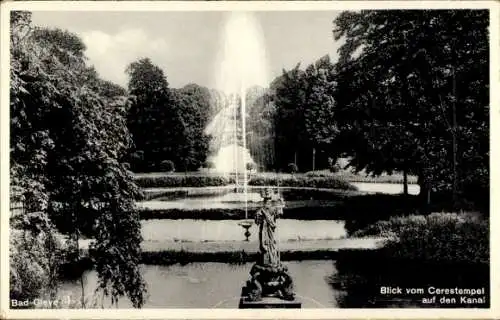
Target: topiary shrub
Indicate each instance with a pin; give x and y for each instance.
(167, 166)
(292, 168)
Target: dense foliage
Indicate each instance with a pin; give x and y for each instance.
(447, 237)
(446, 250)
(413, 95)
(36, 255)
(184, 180)
(410, 93)
(166, 124)
(68, 137)
(295, 118)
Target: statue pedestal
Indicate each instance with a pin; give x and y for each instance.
(270, 303)
(269, 287)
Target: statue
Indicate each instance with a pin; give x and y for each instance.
(268, 277)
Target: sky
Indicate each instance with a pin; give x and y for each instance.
(186, 45)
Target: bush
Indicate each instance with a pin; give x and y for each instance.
(444, 250)
(447, 237)
(167, 166)
(361, 281)
(172, 181)
(35, 257)
(292, 168)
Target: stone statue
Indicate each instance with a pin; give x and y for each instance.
(269, 278)
(265, 218)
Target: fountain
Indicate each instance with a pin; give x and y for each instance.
(270, 284)
(242, 64)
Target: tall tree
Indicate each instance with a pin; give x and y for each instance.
(413, 93)
(193, 105)
(289, 96)
(260, 123)
(153, 120)
(319, 112)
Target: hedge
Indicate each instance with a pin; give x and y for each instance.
(170, 181)
(302, 181)
(260, 179)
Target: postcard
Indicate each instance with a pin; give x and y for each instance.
(249, 159)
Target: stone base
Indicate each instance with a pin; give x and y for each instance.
(270, 303)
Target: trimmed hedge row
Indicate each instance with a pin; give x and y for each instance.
(360, 177)
(171, 181)
(302, 181)
(263, 179)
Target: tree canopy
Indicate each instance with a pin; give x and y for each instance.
(413, 94)
(166, 124)
(68, 137)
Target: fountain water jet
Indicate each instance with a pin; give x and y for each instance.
(242, 64)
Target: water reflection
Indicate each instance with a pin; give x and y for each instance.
(353, 280)
(208, 285)
(361, 276)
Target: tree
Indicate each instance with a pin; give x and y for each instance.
(319, 112)
(413, 94)
(289, 97)
(153, 120)
(71, 169)
(193, 104)
(260, 127)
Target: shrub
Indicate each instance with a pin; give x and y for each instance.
(250, 166)
(446, 237)
(441, 249)
(167, 166)
(35, 257)
(319, 173)
(292, 168)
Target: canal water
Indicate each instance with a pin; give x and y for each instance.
(213, 285)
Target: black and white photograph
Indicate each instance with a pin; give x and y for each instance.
(236, 158)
